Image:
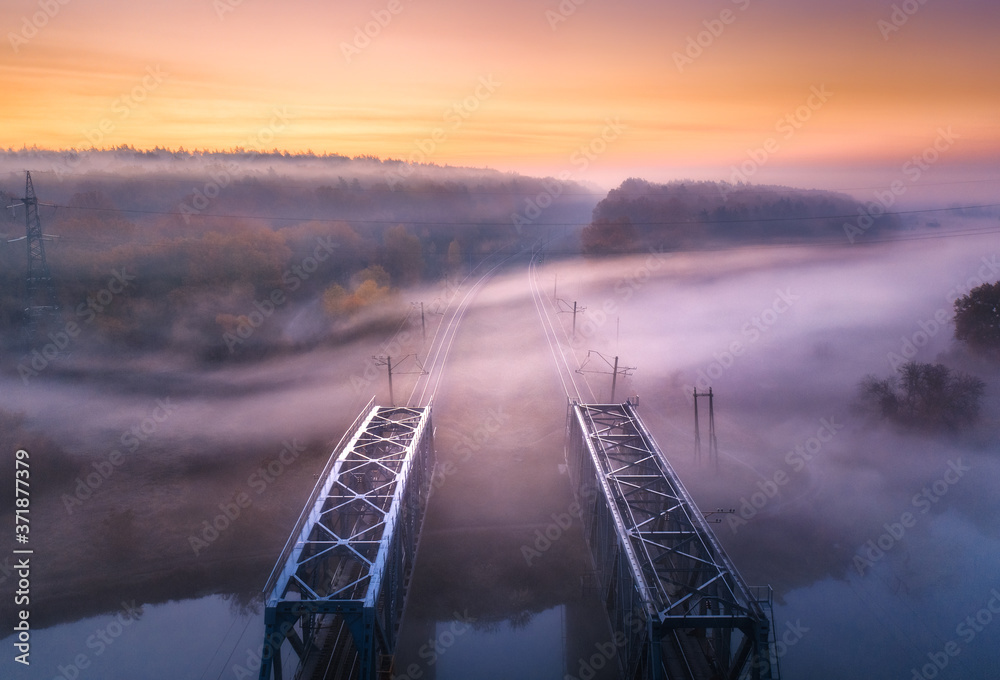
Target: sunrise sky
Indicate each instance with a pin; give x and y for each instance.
(534, 82)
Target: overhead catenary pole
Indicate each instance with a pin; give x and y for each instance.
(613, 365)
(713, 444)
(614, 380)
(697, 430)
(387, 362)
(423, 320)
(564, 308)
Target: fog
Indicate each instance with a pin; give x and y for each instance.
(782, 335)
(71, 164)
(809, 324)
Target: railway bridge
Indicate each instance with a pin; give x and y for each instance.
(677, 605)
(333, 603)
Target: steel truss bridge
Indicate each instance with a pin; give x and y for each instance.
(332, 605)
(677, 605)
(335, 598)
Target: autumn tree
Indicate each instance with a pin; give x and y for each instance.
(244, 252)
(403, 255)
(977, 319)
(373, 273)
(608, 236)
(371, 285)
(923, 396)
(335, 300)
(454, 256)
(93, 220)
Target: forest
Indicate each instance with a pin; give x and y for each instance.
(190, 250)
(694, 215)
(194, 251)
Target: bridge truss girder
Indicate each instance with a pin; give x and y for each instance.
(677, 604)
(337, 593)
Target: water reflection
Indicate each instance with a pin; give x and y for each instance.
(903, 613)
(532, 618)
(218, 636)
(528, 647)
(568, 640)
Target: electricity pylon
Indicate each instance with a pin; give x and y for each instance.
(39, 291)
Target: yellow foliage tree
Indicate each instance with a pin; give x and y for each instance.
(338, 302)
(375, 273)
(334, 298)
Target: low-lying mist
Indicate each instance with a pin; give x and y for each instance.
(838, 510)
(151, 442)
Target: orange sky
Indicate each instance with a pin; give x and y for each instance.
(532, 85)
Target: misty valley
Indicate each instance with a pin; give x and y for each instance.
(224, 317)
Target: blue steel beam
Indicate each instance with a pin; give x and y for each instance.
(336, 594)
(673, 594)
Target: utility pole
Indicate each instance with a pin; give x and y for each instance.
(423, 322)
(39, 291)
(616, 369)
(385, 360)
(614, 379)
(713, 444)
(388, 363)
(697, 431)
(560, 303)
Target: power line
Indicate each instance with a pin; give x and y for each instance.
(691, 185)
(804, 243)
(441, 184)
(397, 220)
(799, 243)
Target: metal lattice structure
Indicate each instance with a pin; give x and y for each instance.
(336, 596)
(677, 605)
(39, 291)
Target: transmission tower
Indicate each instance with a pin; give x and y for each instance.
(39, 292)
